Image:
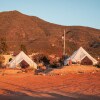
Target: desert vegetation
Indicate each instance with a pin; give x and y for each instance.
(41, 34)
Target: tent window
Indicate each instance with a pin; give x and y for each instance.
(10, 59)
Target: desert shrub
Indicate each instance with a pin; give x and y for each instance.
(2, 59)
(98, 65)
(54, 65)
(41, 58)
(42, 68)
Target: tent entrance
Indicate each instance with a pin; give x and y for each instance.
(86, 61)
(24, 64)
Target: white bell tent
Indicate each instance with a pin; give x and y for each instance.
(19, 58)
(80, 55)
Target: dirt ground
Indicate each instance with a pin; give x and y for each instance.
(72, 86)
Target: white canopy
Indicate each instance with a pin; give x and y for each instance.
(20, 57)
(80, 54)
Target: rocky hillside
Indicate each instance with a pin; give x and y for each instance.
(32, 34)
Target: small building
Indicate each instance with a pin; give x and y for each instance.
(7, 58)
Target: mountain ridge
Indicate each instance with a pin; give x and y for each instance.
(37, 35)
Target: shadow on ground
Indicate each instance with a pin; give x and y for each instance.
(12, 95)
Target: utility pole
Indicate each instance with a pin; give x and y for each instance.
(64, 49)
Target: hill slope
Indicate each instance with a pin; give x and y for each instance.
(19, 31)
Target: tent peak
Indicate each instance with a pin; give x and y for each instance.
(81, 48)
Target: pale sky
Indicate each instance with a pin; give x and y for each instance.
(63, 12)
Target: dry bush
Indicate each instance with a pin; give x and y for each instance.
(2, 60)
(41, 58)
(55, 63)
(98, 65)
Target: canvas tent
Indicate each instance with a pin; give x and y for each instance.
(19, 58)
(83, 57)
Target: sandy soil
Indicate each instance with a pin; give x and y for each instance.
(73, 69)
(73, 86)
